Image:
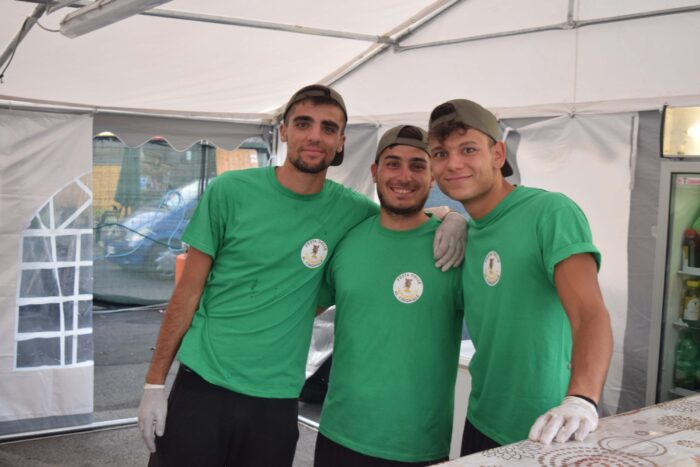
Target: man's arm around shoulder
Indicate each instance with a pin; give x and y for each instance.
(177, 319)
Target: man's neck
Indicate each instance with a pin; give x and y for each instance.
(299, 182)
(392, 221)
(480, 207)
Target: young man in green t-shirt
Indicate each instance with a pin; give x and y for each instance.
(241, 314)
(533, 305)
(398, 325)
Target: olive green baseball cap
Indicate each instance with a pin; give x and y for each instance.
(474, 116)
(392, 138)
(315, 91)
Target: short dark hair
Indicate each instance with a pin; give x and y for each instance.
(316, 100)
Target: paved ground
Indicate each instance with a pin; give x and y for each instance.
(130, 286)
(120, 447)
(123, 346)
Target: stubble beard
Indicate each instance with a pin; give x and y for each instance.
(308, 168)
(404, 211)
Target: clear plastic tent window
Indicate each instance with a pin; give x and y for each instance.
(54, 304)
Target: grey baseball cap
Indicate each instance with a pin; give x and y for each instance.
(392, 138)
(474, 116)
(314, 91)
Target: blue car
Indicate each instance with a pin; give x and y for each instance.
(149, 239)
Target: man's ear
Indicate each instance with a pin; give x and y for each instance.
(283, 132)
(373, 169)
(342, 143)
(499, 152)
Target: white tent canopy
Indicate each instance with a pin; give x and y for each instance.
(168, 66)
(221, 70)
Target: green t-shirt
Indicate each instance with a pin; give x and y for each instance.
(520, 330)
(251, 331)
(397, 335)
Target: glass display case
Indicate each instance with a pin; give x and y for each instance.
(674, 350)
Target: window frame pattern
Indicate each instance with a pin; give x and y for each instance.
(46, 281)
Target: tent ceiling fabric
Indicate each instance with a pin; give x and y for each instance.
(165, 66)
(161, 65)
(613, 67)
(590, 9)
(474, 18)
(364, 16)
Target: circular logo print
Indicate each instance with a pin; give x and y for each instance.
(408, 287)
(492, 268)
(313, 253)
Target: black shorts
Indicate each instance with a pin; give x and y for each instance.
(331, 454)
(208, 425)
(475, 441)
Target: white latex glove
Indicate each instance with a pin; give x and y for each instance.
(450, 241)
(152, 412)
(574, 416)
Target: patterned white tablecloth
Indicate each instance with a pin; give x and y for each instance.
(666, 434)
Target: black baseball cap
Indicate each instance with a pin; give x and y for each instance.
(392, 138)
(474, 116)
(314, 91)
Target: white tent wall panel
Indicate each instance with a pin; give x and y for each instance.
(41, 153)
(565, 154)
(25, 150)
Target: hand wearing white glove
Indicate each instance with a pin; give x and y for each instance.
(152, 412)
(450, 241)
(575, 416)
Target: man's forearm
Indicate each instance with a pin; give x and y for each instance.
(178, 317)
(577, 285)
(592, 349)
(176, 321)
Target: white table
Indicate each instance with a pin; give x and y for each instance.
(666, 434)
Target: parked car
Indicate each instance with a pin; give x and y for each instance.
(149, 238)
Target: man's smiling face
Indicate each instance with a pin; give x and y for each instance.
(403, 178)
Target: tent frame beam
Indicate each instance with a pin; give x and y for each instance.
(567, 25)
(26, 26)
(402, 31)
(257, 24)
(42, 105)
(233, 21)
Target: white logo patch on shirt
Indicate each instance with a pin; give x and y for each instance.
(408, 287)
(492, 268)
(313, 253)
